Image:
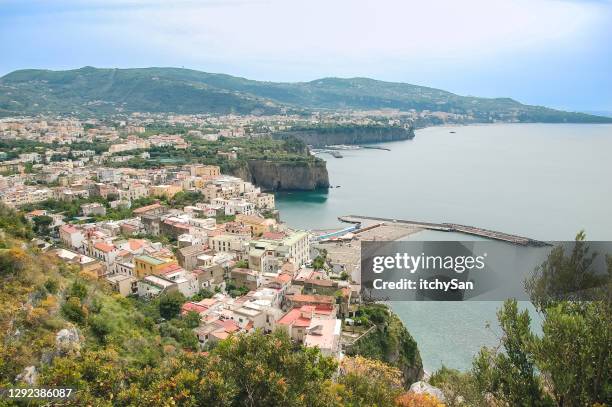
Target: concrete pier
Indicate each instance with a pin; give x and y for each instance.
(447, 227)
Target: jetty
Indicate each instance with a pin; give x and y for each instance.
(446, 227)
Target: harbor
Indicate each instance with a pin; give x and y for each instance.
(368, 221)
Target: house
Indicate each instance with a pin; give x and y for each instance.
(294, 247)
(185, 281)
(205, 171)
(146, 265)
(227, 243)
(321, 302)
(210, 276)
(151, 223)
(123, 284)
(314, 327)
(167, 191)
(215, 331)
(153, 209)
(86, 264)
(242, 277)
(188, 256)
(105, 252)
(325, 335)
(173, 227)
(264, 201)
(256, 224)
(295, 322)
(152, 286)
(93, 209)
(71, 236)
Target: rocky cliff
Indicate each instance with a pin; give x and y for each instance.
(327, 136)
(277, 176)
(389, 341)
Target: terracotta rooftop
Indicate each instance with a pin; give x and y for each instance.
(104, 247)
(69, 229)
(147, 208)
(193, 306)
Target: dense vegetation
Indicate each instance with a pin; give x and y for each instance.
(90, 91)
(569, 364)
(389, 341)
(333, 133)
(202, 151)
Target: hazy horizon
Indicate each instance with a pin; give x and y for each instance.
(553, 53)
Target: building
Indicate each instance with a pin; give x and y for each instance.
(124, 285)
(188, 256)
(71, 236)
(86, 264)
(146, 265)
(256, 224)
(167, 191)
(152, 286)
(226, 243)
(294, 247)
(245, 278)
(205, 171)
(93, 209)
(153, 209)
(325, 335)
(264, 201)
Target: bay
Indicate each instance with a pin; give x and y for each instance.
(544, 181)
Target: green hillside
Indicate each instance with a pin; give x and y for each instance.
(96, 91)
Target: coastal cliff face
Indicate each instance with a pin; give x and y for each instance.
(390, 342)
(285, 176)
(348, 135)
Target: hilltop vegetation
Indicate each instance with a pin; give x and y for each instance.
(92, 91)
(389, 342)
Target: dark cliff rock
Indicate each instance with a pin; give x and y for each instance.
(284, 176)
(326, 136)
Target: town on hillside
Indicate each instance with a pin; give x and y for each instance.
(188, 228)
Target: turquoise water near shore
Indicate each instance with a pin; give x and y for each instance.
(544, 181)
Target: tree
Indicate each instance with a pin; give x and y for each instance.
(170, 304)
(78, 289)
(192, 319)
(42, 224)
(562, 275)
(100, 326)
(459, 388)
(570, 364)
(573, 354)
(319, 261)
(267, 370)
(202, 294)
(74, 311)
(510, 375)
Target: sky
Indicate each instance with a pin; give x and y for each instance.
(556, 53)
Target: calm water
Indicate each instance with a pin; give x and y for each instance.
(539, 180)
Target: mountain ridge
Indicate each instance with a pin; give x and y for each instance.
(106, 91)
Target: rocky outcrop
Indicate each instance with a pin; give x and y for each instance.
(320, 137)
(389, 341)
(280, 175)
(68, 341)
(29, 376)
